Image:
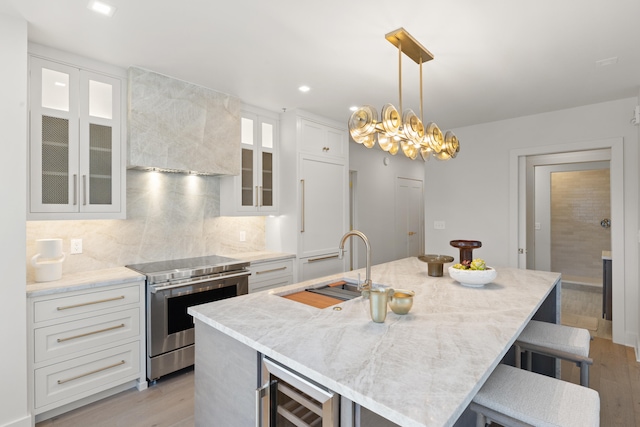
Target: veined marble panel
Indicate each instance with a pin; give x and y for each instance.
(178, 125)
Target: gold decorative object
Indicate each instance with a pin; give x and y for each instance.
(403, 129)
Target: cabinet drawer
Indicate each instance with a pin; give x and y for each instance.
(321, 139)
(82, 335)
(65, 306)
(319, 266)
(86, 375)
(269, 270)
(276, 282)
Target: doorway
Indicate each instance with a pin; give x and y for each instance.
(409, 235)
(523, 225)
(571, 198)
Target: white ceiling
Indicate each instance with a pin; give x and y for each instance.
(494, 59)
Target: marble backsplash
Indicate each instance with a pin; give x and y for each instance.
(169, 216)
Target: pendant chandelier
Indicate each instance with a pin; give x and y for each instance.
(394, 131)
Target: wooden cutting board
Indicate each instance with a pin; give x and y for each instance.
(314, 300)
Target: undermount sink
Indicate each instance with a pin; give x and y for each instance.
(326, 294)
(341, 289)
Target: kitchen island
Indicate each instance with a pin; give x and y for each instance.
(420, 369)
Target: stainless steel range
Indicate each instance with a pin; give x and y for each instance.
(172, 287)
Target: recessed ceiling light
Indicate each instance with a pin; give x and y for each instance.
(304, 88)
(101, 8)
(354, 108)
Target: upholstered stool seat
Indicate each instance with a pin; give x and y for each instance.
(514, 397)
(550, 339)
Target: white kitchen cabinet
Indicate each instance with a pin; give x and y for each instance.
(254, 191)
(270, 274)
(75, 143)
(314, 209)
(84, 345)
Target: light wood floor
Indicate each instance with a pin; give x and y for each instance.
(615, 374)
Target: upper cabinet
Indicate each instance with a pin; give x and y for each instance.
(75, 143)
(255, 190)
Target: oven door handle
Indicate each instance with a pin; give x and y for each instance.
(155, 289)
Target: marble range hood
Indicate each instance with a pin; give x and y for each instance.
(178, 126)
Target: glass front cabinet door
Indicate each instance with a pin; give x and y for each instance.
(254, 192)
(75, 145)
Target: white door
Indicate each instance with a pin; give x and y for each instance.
(409, 218)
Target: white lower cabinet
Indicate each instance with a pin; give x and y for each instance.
(84, 345)
(83, 375)
(313, 267)
(270, 274)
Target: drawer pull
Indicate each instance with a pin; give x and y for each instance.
(95, 371)
(322, 258)
(66, 307)
(91, 333)
(271, 271)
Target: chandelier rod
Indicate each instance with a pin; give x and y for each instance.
(421, 115)
(400, 74)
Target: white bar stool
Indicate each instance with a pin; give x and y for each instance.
(550, 339)
(514, 397)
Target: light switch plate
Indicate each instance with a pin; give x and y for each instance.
(243, 236)
(438, 225)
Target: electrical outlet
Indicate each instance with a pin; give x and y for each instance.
(76, 246)
(438, 225)
(243, 236)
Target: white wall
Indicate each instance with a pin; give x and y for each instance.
(13, 317)
(376, 186)
(471, 192)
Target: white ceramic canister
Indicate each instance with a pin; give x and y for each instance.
(48, 261)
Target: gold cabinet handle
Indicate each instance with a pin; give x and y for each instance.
(67, 307)
(84, 190)
(86, 334)
(271, 271)
(75, 189)
(322, 258)
(411, 233)
(95, 371)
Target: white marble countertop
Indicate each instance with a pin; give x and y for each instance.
(421, 369)
(85, 280)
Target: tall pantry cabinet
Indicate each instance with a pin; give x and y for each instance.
(314, 193)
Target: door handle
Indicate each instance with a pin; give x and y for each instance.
(302, 206)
